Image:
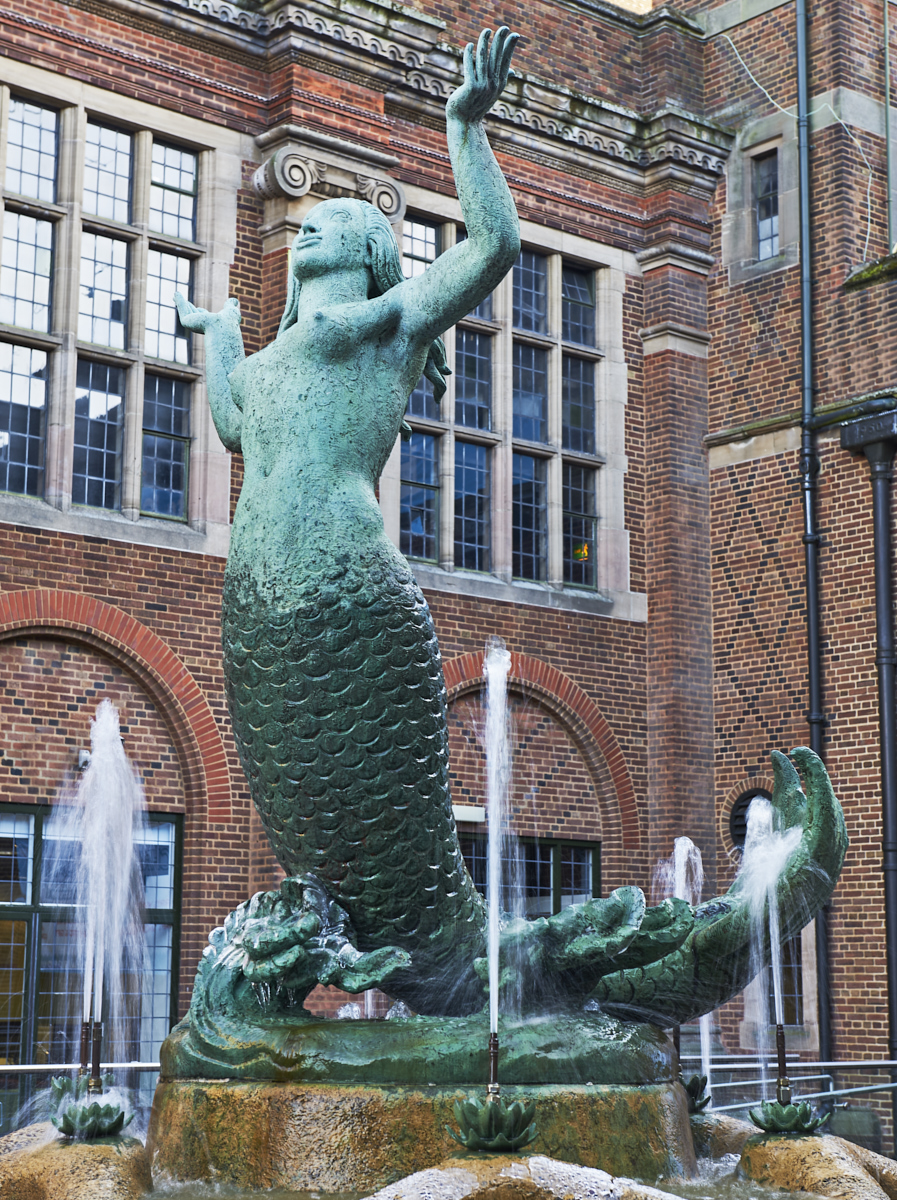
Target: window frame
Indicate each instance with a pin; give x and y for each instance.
(219, 156)
(499, 439)
(556, 846)
(36, 912)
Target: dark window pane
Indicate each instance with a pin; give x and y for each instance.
(530, 292)
(163, 484)
(166, 405)
(530, 393)
(31, 142)
(579, 521)
(766, 190)
(471, 506)
(529, 542)
(420, 247)
(577, 306)
(419, 511)
(99, 404)
(576, 874)
(578, 401)
(23, 400)
(473, 379)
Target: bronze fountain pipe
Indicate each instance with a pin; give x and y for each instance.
(492, 1088)
(95, 1083)
(85, 1047)
(783, 1083)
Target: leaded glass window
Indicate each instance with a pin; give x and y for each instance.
(530, 292)
(26, 264)
(472, 505)
(23, 407)
(99, 420)
(766, 190)
(579, 525)
(420, 247)
(103, 311)
(419, 513)
(530, 392)
(473, 379)
(165, 336)
(166, 446)
(173, 192)
(548, 875)
(31, 150)
(578, 401)
(528, 517)
(107, 173)
(577, 306)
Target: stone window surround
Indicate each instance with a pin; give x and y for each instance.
(739, 237)
(220, 153)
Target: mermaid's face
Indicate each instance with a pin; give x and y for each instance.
(332, 238)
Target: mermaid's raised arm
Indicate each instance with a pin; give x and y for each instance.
(224, 351)
(462, 277)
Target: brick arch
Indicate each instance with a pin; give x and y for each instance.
(582, 719)
(142, 653)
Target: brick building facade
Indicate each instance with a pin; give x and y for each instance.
(611, 484)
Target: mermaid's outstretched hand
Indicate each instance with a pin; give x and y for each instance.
(201, 321)
(486, 71)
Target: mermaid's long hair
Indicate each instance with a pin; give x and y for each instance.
(386, 268)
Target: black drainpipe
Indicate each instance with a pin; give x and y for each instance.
(876, 437)
(809, 469)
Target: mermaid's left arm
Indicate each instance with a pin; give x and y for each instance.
(462, 277)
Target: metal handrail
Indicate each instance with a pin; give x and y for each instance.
(49, 1068)
(722, 1064)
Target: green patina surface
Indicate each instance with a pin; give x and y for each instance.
(335, 681)
(555, 1049)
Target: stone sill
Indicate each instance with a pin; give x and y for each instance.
(99, 523)
(620, 606)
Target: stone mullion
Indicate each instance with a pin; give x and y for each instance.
(502, 424)
(554, 475)
(66, 278)
(132, 435)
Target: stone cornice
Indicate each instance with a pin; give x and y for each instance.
(401, 52)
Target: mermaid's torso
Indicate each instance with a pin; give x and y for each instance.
(335, 681)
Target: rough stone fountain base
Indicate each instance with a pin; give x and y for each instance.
(355, 1105)
(329, 1138)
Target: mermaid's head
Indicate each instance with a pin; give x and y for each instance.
(382, 256)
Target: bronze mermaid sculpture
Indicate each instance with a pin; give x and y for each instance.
(334, 678)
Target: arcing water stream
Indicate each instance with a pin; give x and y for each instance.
(682, 876)
(766, 852)
(94, 862)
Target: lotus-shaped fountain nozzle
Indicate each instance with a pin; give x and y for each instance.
(491, 1124)
(773, 1117)
(77, 1119)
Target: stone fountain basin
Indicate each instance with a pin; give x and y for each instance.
(351, 1106)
